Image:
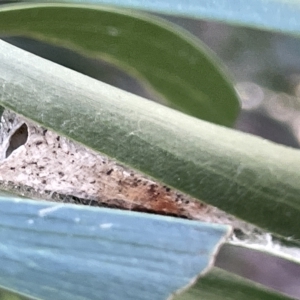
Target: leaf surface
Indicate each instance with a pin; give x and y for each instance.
(275, 15)
(251, 178)
(173, 62)
(62, 251)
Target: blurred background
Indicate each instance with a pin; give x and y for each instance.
(265, 68)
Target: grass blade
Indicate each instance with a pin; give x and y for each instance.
(249, 177)
(185, 74)
(275, 15)
(59, 251)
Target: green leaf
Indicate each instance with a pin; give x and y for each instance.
(247, 176)
(221, 285)
(9, 295)
(175, 63)
(1, 110)
(278, 15)
(60, 251)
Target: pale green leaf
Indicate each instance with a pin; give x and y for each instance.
(62, 251)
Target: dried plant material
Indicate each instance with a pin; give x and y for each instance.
(40, 164)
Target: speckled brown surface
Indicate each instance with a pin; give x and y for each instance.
(38, 163)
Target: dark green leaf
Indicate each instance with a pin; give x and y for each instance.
(278, 15)
(173, 62)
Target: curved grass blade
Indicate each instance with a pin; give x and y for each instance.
(176, 64)
(60, 251)
(276, 15)
(251, 178)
